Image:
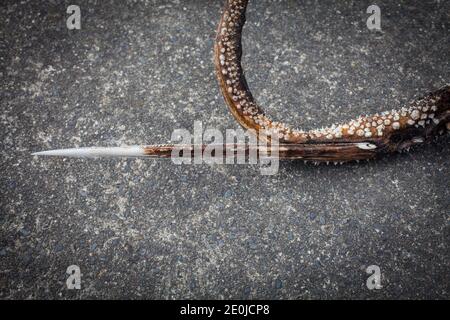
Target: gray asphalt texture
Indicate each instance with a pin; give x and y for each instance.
(139, 229)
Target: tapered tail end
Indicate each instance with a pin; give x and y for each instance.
(95, 152)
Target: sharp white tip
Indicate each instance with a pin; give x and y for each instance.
(95, 152)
